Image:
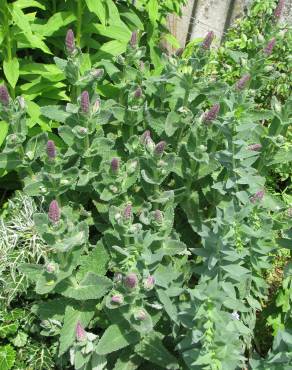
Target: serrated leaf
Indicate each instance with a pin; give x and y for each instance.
(11, 70)
(96, 261)
(55, 113)
(115, 338)
(7, 357)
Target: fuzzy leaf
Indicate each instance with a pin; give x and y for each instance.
(7, 357)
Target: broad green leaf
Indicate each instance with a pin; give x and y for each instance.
(153, 350)
(55, 113)
(7, 357)
(31, 271)
(68, 331)
(3, 131)
(285, 243)
(115, 32)
(169, 307)
(8, 328)
(57, 21)
(20, 339)
(10, 161)
(96, 261)
(11, 70)
(98, 8)
(111, 48)
(91, 287)
(153, 8)
(115, 338)
(22, 4)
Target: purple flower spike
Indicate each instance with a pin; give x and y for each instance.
(131, 280)
(158, 216)
(159, 148)
(258, 196)
(51, 149)
(208, 40)
(118, 298)
(255, 147)
(134, 39)
(128, 212)
(149, 282)
(241, 84)
(70, 42)
(269, 48)
(80, 332)
(212, 113)
(85, 102)
(138, 92)
(54, 212)
(115, 165)
(279, 9)
(4, 95)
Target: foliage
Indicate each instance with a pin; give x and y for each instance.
(158, 229)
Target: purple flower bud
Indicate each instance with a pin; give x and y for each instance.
(149, 282)
(118, 298)
(80, 332)
(51, 267)
(138, 92)
(255, 147)
(97, 72)
(212, 113)
(208, 40)
(241, 84)
(134, 39)
(131, 280)
(70, 42)
(279, 9)
(269, 48)
(54, 211)
(140, 315)
(258, 196)
(84, 102)
(159, 148)
(115, 165)
(4, 95)
(128, 212)
(145, 136)
(51, 149)
(158, 216)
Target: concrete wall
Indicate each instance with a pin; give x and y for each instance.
(201, 16)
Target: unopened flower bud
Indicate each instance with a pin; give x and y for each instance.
(51, 267)
(258, 196)
(145, 136)
(242, 82)
(269, 48)
(4, 95)
(255, 147)
(128, 212)
(134, 39)
(159, 148)
(158, 216)
(97, 72)
(80, 332)
(21, 102)
(138, 92)
(115, 165)
(54, 211)
(118, 277)
(70, 42)
(82, 130)
(149, 282)
(140, 315)
(208, 40)
(132, 167)
(131, 280)
(118, 299)
(84, 102)
(212, 113)
(96, 106)
(51, 149)
(279, 9)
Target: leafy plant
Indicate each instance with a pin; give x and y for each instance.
(158, 226)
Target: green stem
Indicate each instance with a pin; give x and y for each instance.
(79, 22)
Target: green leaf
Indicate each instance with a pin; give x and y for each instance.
(68, 331)
(285, 243)
(169, 307)
(115, 338)
(20, 339)
(172, 123)
(7, 329)
(7, 357)
(31, 271)
(153, 10)
(55, 113)
(153, 350)
(10, 161)
(96, 261)
(3, 131)
(91, 287)
(57, 21)
(98, 8)
(11, 70)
